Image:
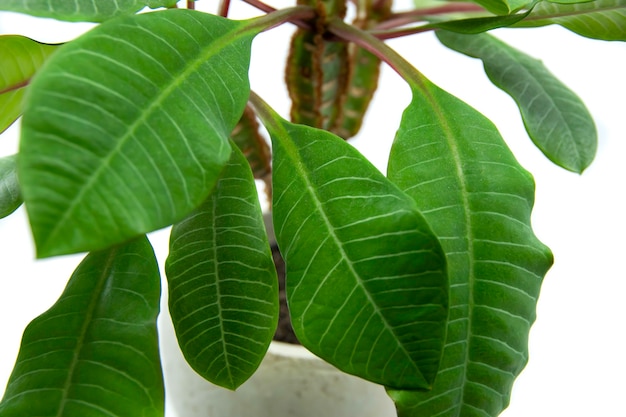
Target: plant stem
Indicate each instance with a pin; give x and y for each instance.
(377, 47)
(297, 15)
(401, 19)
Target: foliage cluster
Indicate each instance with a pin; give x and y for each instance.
(424, 280)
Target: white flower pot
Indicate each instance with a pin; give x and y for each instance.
(291, 382)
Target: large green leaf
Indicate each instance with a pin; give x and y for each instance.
(599, 19)
(126, 129)
(223, 289)
(478, 200)
(81, 10)
(555, 117)
(10, 194)
(95, 352)
(20, 58)
(366, 278)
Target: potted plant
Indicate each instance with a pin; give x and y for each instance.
(424, 281)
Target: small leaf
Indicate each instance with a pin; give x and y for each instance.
(95, 352)
(20, 58)
(10, 194)
(223, 289)
(126, 129)
(366, 279)
(556, 119)
(452, 161)
(599, 19)
(81, 10)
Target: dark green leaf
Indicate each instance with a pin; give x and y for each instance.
(20, 58)
(81, 10)
(126, 129)
(600, 19)
(366, 278)
(95, 352)
(556, 119)
(478, 200)
(10, 194)
(223, 289)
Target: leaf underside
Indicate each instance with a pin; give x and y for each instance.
(556, 119)
(366, 280)
(21, 57)
(223, 289)
(95, 352)
(81, 10)
(478, 200)
(599, 19)
(126, 129)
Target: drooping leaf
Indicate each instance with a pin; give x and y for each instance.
(223, 289)
(10, 194)
(599, 19)
(81, 10)
(95, 352)
(20, 58)
(126, 129)
(478, 200)
(556, 119)
(366, 279)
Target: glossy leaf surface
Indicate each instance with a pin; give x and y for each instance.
(223, 289)
(95, 352)
(126, 129)
(10, 194)
(20, 58)
(366, 278)
(81, 10)
(599, 19)
(478, 200)
(478, 24)
(555, 117)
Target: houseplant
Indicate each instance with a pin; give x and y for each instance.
(316, 339)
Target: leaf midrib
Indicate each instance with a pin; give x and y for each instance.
(426, 90)
(96, 293)
(210, 50)
(292, 152)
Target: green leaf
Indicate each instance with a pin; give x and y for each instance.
(223, 289)
(126, 129)
(249, 140)
(478, 24)
(556, 119)
(81, 10)
(600, 19)
(95, 352)
(366, 278)
(504, 7)
(20, 58)
(478, 200)
(10, 194)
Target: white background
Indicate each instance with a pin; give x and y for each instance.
(578, 345)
